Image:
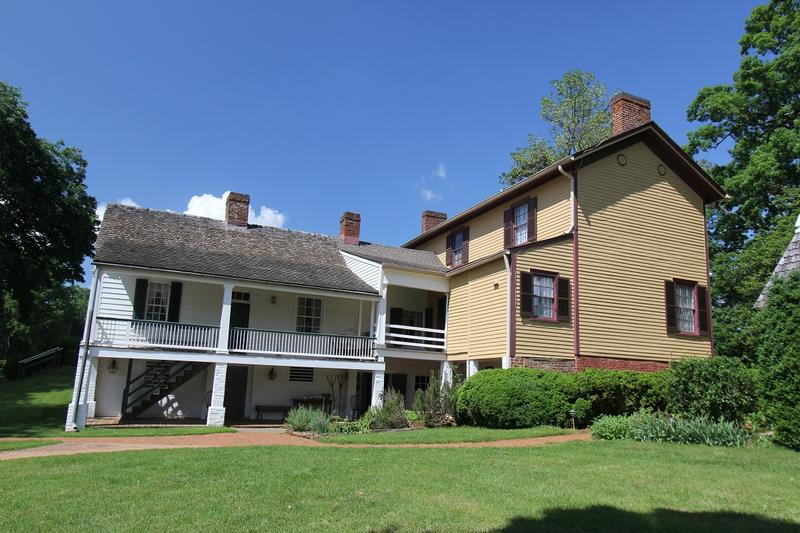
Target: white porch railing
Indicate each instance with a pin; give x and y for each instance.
(147, 333)
(262, 341)
(415, 338)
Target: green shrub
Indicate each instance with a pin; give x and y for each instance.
(307, 419)
(392, 412)
(776, 326)
(362, 425)
(523, 397)
(412, 416)
(436, 404)
(655, 427)
(716, 387)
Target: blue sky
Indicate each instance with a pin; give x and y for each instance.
(383, 108)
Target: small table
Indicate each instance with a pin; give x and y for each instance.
(261, 409)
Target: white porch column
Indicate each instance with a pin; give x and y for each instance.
(446, 373)
(506, 361)
(91, 385)
(380, 323)
(377, 388)
(216, 411)
(352, 379)
(472, 368)
(225, 319)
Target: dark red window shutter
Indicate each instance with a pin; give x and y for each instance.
(703, 310)
(465, 247)
(140, 299)
(563, 299)
(449, 253)
(531, 219)
(669, 303)
(526, 294)
(508, 228)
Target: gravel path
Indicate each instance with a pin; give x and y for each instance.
(267, 437)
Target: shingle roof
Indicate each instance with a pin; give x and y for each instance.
(787, 264)
(169, 241)
(395, 256)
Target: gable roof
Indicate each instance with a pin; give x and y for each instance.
(138, 237)
(788, 263)
(393, 256)
(650, 133)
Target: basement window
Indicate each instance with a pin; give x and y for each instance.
(301, 373)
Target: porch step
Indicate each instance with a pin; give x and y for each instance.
(103, 421)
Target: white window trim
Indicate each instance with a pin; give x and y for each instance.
(297, 312)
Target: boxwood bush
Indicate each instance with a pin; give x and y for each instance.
(716, 387)
(525, 397)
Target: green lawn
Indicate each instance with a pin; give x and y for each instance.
(443, 435)
(8, 446)
(577, 486)
(36, 406)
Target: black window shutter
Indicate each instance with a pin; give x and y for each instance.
(449, 253)
(140, 299)
(669, 304)
(174, 312)
(531, 219)
(465, 247)
(526, 294)
(508, 228)
(563, 299)
(703, 311)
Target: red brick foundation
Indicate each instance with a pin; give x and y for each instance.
(608, 363)
(544, 363)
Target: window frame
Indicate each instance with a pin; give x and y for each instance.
(463, 231)
(418, 378)
(695, 310)
(165, 305)
(554, 307)
(514, 225)
(297, 315)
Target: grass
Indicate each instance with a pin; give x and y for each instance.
(36, 406)
(443, 435)
(9, 446)
(577, 486)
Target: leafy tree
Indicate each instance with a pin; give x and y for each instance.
(577, 110)
(758, 114)
(47, 220)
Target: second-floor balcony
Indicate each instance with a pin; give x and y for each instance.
(130, 333)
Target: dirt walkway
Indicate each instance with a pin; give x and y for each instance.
(76, 445)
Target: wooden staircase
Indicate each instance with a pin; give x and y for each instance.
(151, 386)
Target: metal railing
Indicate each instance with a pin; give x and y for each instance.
(415, 338)
(53, 355)
(263, 341)
(122, 332)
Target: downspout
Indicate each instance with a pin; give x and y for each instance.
(708, 283)
(573, 198)
(84, 354)
(510, 313)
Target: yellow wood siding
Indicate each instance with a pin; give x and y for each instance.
(477, 323)
(536, 338)
(486, 230)
(637, 229)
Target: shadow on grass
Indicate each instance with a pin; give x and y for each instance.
(604, 518)
(36, 405)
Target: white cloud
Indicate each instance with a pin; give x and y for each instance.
(429, 196)
(441, 171)
(210, 206)
(100, 212)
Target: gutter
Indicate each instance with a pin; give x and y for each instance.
(573, 198)
(83, 356)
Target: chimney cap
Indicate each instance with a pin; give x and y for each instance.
(238, 197)
(349, 215)
(622, 95)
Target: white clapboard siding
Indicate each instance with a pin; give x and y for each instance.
(116, 296)
(369, 271)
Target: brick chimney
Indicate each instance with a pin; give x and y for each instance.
(628, 112)
(350, 228)
(431, 219)
(237, 207)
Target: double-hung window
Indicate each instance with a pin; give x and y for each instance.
(458, 248)
(309, 315)
(685, 307)
(157, 301)
(544, 296)
(521, 224)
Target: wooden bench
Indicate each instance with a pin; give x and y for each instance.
(261, 409)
